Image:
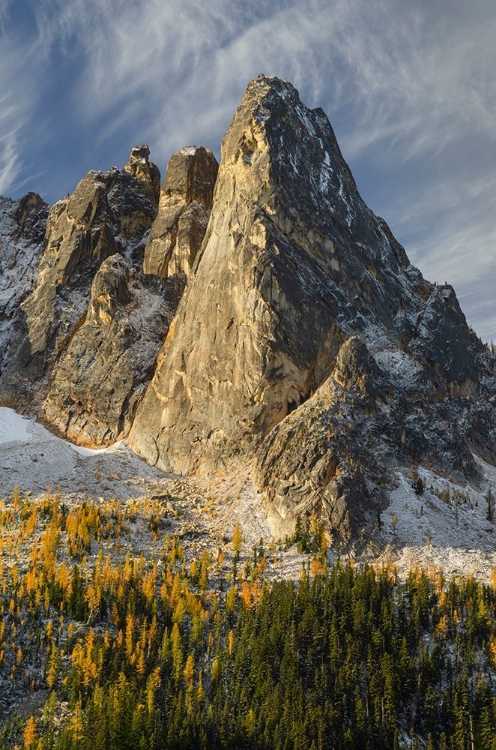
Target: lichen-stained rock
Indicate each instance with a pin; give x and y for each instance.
(292, 264)
(184, 210)
(333, 456)
(96, 382)
(108, 212)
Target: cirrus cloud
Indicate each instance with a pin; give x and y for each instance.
(409, 89)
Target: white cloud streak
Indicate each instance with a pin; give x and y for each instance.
(451, 235)
(11, 116)
(4, 11)
(21, 74)
(412, 82)
(10, 162)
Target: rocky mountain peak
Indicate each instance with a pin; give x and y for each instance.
(141, 168)
(293, 263)
(138, 155)
(30, 215)
(253, 312)
(299, 299)
(108, 212)
(184, 210)
(191, 175)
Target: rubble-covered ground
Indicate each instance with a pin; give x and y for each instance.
(201, 513)
(446, 525)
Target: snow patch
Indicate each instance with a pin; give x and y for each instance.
(445, 526)
(13, 427)
(188, 150)
(398, 364)
(92, 451)
(34, 460)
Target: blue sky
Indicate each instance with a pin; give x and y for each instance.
(410, 88)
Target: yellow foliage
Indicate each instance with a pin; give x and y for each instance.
(76, 723)
(246, 594)
(30, 733)
(189, 670)
(237, 539)
(152, 685)
(230, 642)
(317, 567)
(231, 597)
(215, 670)
(442, 626)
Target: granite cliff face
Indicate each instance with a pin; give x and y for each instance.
(98, 379)
(183, 213)
(22, 229)
(89, 323)
(293, 264)
(108, 212)
(253, 313)
(293, 267)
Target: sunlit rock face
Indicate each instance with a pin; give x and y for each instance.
(294, 265)
(82, 231)
(108, 212)
(183, 213)
(97, 381)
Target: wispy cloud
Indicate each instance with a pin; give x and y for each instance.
(4, 10)
(11, 116)
(450, 232)
(10, 162)
(410, 79)
(185, 61)
(20, 88)
(410, 88)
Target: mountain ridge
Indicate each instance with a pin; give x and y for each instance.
(259, 313)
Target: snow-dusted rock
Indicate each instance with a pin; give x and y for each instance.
(183, 213)
(22, 231)
(108, 212)
(304, 342)
(293, 264)
(99, 377)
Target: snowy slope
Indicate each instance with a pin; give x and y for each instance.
(447, 526)
(34, 460)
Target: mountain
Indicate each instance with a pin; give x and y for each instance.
(307, 339)
(254, 314)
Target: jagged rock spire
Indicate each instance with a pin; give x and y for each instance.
(184, 210)
(293, 262)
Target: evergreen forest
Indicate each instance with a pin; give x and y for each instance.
(113, 651)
